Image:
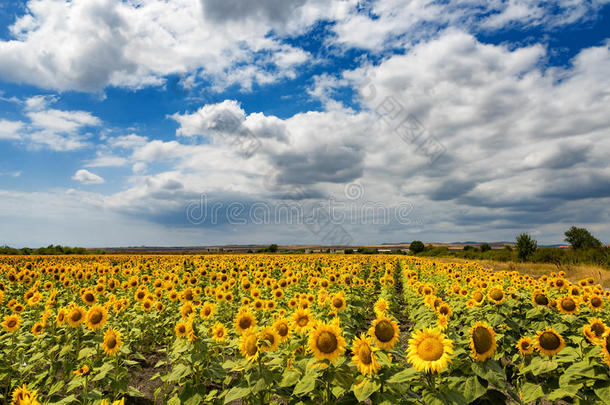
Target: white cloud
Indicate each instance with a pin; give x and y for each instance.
(49, 128)
(10, 130)
(89, 44)
(86, 177)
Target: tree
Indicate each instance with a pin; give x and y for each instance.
(417, 246)
(485, 247)
(526, 246)
(580, 238)
(468, 247)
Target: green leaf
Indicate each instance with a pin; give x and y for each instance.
(103, 371)
(603, 393)
(306, 384)
(236, 393)
(365, 389)
(134, 392)
(86, 352)
(567, 391)
(290, 377)
(531, 392)
(403, 376)
(175, 400)
(178, 372)
(473, 389)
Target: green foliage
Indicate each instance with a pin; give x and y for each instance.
(416, 246)
(526, 246)
(49, 250)
(485, 247)
(581, 238)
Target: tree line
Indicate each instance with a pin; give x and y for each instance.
(49, 250)
(584, 249)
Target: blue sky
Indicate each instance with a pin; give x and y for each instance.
(118, 117)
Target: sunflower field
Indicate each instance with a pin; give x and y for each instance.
(296, 329)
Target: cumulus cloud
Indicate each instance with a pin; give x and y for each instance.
(87, 45)
(86, 177)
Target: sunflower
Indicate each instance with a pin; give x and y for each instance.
(302, 320)
(249, 344)
(207, 310)
(244, 321)
(496, 295)
(482, 341)
(549, 342)
(258, 305)
(429, 350)
(186, 310)
(182, 329)
(11, 323)
(82, 370)
(568, 305)
(219, 332)
(76, 316)
(282, 327)
(61, 317)
(444, 310)
(540, 298)
(605, 344)
(89, 298)
(442, 322)
(525, 345)
(326, 342)
(269, 339)
(22, 396)
(381, 306)
(384, 332)
(478, 296)
(364, 356)
(96, 317)
(337, 302)
(112, 342)
(595, 330)
(596, 303)
(38, 328)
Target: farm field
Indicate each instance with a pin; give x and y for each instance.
(296, 329)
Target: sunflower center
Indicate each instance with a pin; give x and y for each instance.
(365, 355)
(11, 323)
(568, 304)
(384, 331)
(541, 299)
(598, 328)
(444, 310)
(111, 342)
(302, 321)
(282, 329)
(327, 342)
(268, 340)
(430, 349)
(337, 303)
(549, 341)
(596, 302)
(525, 345)
(482, 339)
(496, 294)
(96, 317)
(245, 322)
(478, 296)
(76, 316)
(207, 311)
(89, 297)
